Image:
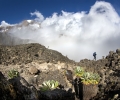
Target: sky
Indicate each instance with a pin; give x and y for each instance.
(76, 28)
(14, 11)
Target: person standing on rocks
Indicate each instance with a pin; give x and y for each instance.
(94, 55)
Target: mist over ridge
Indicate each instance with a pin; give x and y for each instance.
(75, 34)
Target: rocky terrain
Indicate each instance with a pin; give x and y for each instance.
(36, 63)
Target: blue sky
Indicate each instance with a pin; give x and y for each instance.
(14, 11)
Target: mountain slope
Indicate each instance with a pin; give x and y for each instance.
(26, 53)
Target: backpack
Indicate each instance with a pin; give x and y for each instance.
(94, 54)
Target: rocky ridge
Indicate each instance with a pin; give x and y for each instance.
(26, 53)
(36, 63)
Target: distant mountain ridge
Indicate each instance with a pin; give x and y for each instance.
(7, 39)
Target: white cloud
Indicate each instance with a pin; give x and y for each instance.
(3, 23)
(39, 16)
(79, 34)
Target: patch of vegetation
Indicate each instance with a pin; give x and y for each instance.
(87, 77)
(90, 78)
(49, 85)
(79, 71)
(13, 73)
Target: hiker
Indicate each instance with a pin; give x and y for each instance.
(94, 54)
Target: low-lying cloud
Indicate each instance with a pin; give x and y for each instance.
(76, 34)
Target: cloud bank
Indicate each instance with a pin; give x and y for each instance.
(76, 34)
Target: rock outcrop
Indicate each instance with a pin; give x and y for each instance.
(109, 70)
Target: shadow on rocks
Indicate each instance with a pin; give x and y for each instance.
(23, 89)
(58, 94)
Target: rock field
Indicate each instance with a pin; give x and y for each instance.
(36, 63)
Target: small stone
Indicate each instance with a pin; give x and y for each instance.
(33, 70)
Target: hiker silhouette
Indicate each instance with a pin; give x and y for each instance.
(94, 55)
